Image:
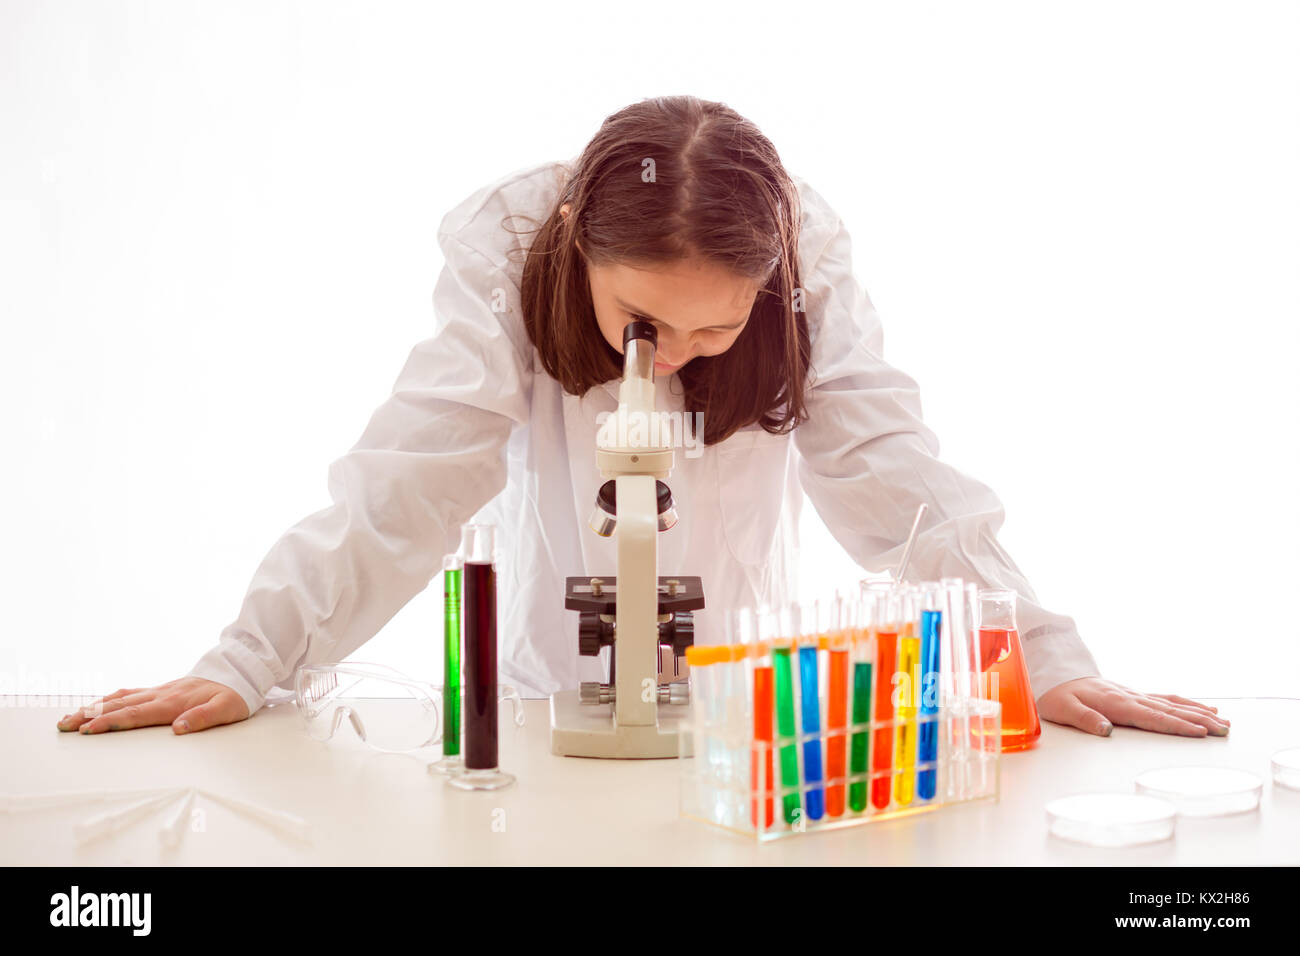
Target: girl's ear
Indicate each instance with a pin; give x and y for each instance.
(564, 214)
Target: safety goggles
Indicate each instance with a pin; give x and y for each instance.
(389, 711)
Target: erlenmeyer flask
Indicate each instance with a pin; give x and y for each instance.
(1004, 669)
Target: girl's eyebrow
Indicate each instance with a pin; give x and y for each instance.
(647, 315)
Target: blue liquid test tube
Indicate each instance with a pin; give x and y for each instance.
(928, 736)
(810, 709)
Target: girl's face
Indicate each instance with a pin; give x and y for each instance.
(697, 307)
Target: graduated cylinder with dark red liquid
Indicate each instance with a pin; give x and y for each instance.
(479, 613)
(479, 585)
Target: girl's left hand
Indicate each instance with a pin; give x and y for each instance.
(1095, 705)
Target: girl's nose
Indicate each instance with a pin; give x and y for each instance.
(670, 354)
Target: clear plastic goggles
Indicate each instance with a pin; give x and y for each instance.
(389, 711)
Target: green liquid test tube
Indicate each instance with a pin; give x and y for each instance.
(451, 574)
(785, 729)
(859, 747)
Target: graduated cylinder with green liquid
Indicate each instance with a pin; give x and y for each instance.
(453, 566)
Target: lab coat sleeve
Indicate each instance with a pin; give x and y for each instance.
(430, 457)
(867, 460)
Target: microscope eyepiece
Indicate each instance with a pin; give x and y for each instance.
(602, 520)
(638, 329)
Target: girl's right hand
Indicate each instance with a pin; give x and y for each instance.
(188, 704)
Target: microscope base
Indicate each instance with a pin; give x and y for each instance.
(588, 730)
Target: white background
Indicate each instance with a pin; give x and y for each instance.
(1077, 221)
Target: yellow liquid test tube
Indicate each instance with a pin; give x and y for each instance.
(906, 693)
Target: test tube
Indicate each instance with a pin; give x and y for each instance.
(734, 709)
(707, 729)
(707, 706)
(810, 708)
(975, 654)
(783, 672)
(956, 689)
(761, 775)
(860, 745)
(737, 721)
(886, 631)
(907, 685)
(985, 730)
(480, 622)
(928, 733)
(838, 621)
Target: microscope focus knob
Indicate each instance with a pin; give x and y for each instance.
(683, 633)
(679, 632)
(594, 692)
(593, 633)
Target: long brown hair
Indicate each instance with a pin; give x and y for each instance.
(663, 180)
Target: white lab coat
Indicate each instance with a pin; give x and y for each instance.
(475, 427)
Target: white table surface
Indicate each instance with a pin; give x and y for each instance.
(370, 808)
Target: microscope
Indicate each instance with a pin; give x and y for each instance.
(644, 619)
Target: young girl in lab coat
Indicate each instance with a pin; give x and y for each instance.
(678, 213)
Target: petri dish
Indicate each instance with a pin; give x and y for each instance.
(1286, 768)
(1111, 819)
(1203, 791)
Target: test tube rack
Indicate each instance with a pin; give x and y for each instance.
(844, 772)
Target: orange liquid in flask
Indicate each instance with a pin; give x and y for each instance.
(1004, 669)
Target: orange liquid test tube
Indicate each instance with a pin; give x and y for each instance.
(837, 720)
(882, 743)
(761, 761)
